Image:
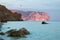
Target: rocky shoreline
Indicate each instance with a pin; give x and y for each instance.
(7, 15)
(16, 33)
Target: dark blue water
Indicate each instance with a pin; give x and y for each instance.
(38, 31)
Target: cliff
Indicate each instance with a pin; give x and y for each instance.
(33, 15)
(37, 16)
(7, 15)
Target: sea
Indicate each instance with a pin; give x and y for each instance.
(38, 31)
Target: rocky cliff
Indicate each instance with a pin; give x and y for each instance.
(33, 15)
(7, 15)
(37, 16)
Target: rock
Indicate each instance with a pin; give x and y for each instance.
(23, 31)
(1, 26)
(11, 31)
(8, 27)
(19, 33)
(1, 39)
(7, 15)
(14, 34)
(44, 22)
(21, 20)
(2, 33)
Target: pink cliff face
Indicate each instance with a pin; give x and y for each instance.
(37, 16)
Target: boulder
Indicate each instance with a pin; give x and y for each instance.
(23, 31)
(14, 34)
(2, 33)
(44, 22)
(8, 27)
(1, 39)
(18, 33)
(1, 26)
(11, 31)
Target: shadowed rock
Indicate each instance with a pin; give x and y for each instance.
(18, 33)
(1, 39)
(44, 22)
(11, 31)
(1, 26)
(2, 33)
(8, 27)
(23, 31)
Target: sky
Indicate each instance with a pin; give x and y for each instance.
(50, 6)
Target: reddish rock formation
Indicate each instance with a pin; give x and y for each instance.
(7, 15)
(37, 16)
(33, 15)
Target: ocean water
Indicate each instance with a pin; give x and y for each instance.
(38, 31)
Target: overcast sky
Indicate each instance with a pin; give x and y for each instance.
(50, 6)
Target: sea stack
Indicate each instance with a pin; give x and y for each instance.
(43, 22)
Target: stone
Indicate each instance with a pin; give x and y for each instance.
(18, 33)
(1, 39)
(23, 31)
(11, 31)
(2, 33)
(44, 22)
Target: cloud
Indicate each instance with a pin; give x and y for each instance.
(34, 4)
